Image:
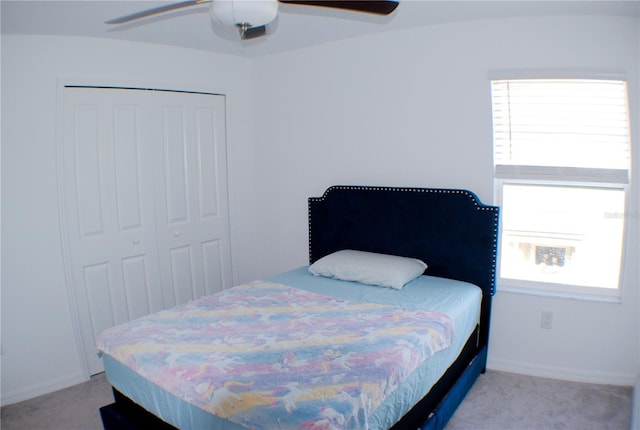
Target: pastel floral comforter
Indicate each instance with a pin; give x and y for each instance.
(268, 356)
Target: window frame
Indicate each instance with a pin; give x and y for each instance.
(593, 178)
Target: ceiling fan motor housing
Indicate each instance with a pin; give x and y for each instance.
(244, 13)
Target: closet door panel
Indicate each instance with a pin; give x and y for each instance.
(127, 165)
(88, 168)
(139, 291)
(206, 122)
(195, 210)
(109, 211)
(213, 267)
(182, 273)
(174, 143)
(212, 180)
(144, 201)
(97, 283)
(135, 208)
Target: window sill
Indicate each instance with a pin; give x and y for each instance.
(561, 294)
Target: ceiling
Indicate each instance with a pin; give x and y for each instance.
(295, 27)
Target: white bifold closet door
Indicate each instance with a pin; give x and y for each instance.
(145, 207)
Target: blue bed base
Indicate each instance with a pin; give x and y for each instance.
(438, 418)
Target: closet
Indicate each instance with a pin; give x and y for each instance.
(144, 203)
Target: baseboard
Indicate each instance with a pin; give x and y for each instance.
(563, 373)
(41, 389)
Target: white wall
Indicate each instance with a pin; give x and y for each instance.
(413, 108)
(38, 343)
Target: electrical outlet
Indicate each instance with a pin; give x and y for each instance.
(546, 320)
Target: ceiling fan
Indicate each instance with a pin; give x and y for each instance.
(251, 17)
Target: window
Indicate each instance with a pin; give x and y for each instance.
(561, 163)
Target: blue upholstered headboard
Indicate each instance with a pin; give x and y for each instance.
(449, 229)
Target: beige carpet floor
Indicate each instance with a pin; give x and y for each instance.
(506, 401)
(498, 401)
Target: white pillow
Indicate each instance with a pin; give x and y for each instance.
(369, 268)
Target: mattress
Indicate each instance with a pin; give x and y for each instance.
(459, 300)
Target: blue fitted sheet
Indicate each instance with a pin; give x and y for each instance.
(459, 300)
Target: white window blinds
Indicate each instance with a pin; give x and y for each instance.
(571, 128)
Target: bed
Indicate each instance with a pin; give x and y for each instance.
(448, 229)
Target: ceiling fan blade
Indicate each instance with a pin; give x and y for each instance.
(379, 7)
(155, 11)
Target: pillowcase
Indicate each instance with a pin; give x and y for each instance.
(369, 268)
